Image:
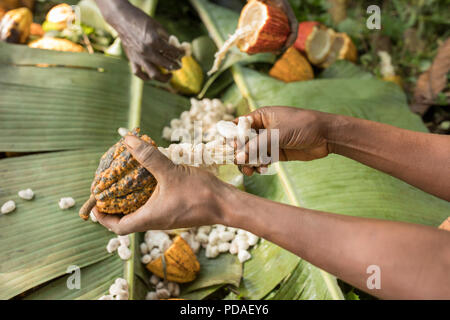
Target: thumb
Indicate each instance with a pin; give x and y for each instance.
(149, 157)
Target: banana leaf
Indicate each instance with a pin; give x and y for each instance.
(334, 184)
(214, 271)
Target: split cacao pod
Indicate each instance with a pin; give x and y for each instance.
(342, 48)
(15, 25)
(292, 66)
(180, 263)
(270, 26)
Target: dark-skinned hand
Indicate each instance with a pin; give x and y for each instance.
(302, 134)
(184, 196)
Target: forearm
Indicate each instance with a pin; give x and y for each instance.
(409, 256)
(111, 10)
(420, 159)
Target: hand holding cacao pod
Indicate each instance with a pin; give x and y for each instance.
(135, 176)
(120, 185)
(301, 133)
(293, 23)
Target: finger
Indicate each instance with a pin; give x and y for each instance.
(154, 73)
(137, 71)
(241, 157)
(149, 157)
(292, 35)
(257, 117)
(259, 148)
(137, 221)
(294, 27)
(160, 30)
(136, 68)
(248, 171)
(262, 169)
(160, 60)
(169, 51)
(109, 221)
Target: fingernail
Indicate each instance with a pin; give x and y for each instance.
(240, 157)
(132, 141)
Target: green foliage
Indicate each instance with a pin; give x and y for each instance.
(414, 30)
(352, 296)
(315, 10)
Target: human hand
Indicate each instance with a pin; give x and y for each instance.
(302, 135)
(184, 196)
(144, 40)
(293, 22)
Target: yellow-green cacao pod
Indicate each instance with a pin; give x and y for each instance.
(15, 25)
(188, 79)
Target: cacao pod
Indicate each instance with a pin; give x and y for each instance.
(292, 66)
(342, 48)
(15, 25)
(121, 185)
(180, 263)
(270, 27)
(58, 17)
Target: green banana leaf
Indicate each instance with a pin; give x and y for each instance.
(78, 101)
(95, 281)
(334, 184)
(59, 107)
(90, 15)
(345, 69)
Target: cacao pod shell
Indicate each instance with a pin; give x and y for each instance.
(56, 44)
(292, 66)
(271, 33)
(181, 264)
(121, 185)
(188, 79)
(15, 25)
